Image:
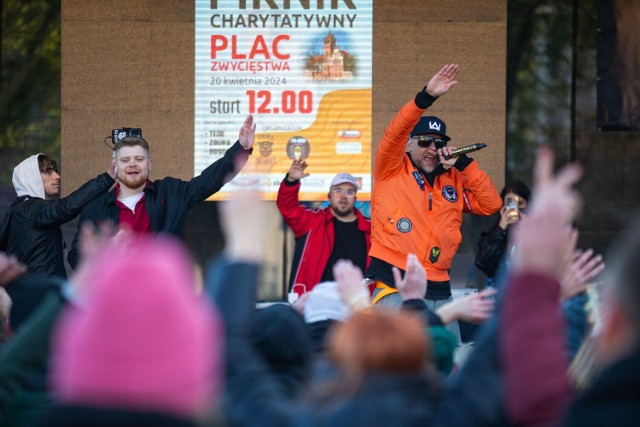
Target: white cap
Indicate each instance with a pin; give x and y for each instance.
(324, 303)
(344, 178)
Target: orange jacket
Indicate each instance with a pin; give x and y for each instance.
(407, 219)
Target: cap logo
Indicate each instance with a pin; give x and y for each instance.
(434, 125)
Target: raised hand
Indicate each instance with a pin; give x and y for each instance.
(414, 283)
(544, 238)
(351, 286)
(296, 171)
(243, 220)
(443, 80)
(585, 266)
(111, 170)
(10, 268)
(247, 133)
(474, 308)
(5, 304)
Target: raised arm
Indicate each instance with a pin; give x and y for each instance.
(391, 149)
(67, 208)
(296, 216)
(223, 170)
(252, 392)
(532, 331)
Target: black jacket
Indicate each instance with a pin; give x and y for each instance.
(490, 250)
(613, 399)
(167, 200)
(31, 228)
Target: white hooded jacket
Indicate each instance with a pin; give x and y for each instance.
(26, 178)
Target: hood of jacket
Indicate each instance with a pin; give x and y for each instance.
(26, 178)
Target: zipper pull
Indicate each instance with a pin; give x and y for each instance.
(430, 200)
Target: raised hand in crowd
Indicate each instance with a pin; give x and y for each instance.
(244, 225)
(10, 268)
(92, 242)
(351, 285)
(5, 304)
(414, 283)
(533, 349)
(474, 308)
(545, 237)
(585, 265)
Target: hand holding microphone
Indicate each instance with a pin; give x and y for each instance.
(457, 152)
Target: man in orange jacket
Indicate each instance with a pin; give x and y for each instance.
(419, 196)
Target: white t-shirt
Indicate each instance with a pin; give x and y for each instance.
(132, 201)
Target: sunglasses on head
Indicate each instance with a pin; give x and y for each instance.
(425, 141)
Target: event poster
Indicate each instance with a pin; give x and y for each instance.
(302, 68)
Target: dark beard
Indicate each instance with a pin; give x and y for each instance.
(342, 214)
(133, 184)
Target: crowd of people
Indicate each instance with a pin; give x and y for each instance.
(134, 337)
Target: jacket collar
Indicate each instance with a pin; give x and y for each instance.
(149, 187)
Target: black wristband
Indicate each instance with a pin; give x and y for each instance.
(423, 99)
(290, 183)
(462, 162)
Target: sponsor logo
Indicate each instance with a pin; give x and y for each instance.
(265, 148)
(298, 147)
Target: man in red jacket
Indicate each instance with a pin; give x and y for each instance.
(323, 236)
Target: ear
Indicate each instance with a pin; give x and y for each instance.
(149, 165)
(409, 146)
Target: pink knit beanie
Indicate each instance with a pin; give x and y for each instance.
(141, 339)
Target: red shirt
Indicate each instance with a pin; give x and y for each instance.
(137, 221)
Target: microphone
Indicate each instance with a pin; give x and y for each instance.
(465, 150)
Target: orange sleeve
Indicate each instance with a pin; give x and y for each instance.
(392, 145)
(480, 195)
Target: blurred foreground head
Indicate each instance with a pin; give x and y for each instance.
(620, 333)
(141, 339)
(377, 341)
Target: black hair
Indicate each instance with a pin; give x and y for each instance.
(47, 164)
(518, 188)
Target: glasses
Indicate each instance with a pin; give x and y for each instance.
(425, 141)
(349, 192)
